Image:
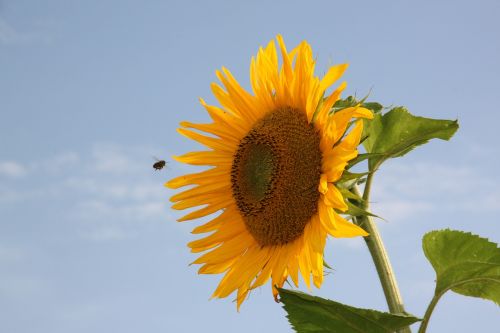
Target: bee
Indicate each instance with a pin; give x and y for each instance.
(159, 164)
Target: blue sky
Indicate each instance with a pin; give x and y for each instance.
(91, 90)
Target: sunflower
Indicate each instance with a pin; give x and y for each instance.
(275, 155)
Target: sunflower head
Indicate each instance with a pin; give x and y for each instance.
(275, 155)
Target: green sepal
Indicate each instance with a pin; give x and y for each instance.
(351, 101)
(362, 157)
(347, 175)
(347, 194)
(349, 183)
(397, 132)
(318, 108)
(464, 263)
(352, 201)
(325, 264)
(344, 103)
(311, 314)
(355, 210)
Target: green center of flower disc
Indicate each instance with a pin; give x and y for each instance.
(275, 176)
(258, 170)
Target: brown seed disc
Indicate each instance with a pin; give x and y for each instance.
(275, 176)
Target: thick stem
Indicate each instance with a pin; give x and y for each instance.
(380, 257)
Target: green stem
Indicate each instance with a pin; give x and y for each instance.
(428, 313)
(380, 257)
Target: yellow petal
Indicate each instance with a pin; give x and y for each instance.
(361, 112)
(217, 268)
(225, 217)
(334, 97)
(317, 239)
(242, 295)
(202, 199)
(318, 272)
(333, 74)
(227, 133)
(305, 266)
(346, 229)
(227, 122)
(210, 209)
(334, 198)
(214, 158)
(323, 184)
(247, 267)
(327, 218)
(220, 188)
(242, 102)
(287, 66)
(265, 274)
(224, 98)
(198, 178)
(293, 269)
(225, 233)
(230, 249)
(216, 144)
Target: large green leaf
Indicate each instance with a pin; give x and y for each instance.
(465, 263)
(397, 132)
(309, 314)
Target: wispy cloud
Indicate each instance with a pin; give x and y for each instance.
(422, 179)
(13, 283)
(404, 190)
(119, 160)
(397, 209)
(8, 34)
(12, 169)
(17, 286)
(143, 210)
(59, 163)
(12, 36)
(10, 254)
(108, 192)
(105, 233)
(354, 244)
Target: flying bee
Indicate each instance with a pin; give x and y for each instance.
(159, 164)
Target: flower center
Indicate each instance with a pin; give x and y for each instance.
(275, 176)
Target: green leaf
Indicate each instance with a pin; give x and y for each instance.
(465, 263)
(397, 132)
(309, 314)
